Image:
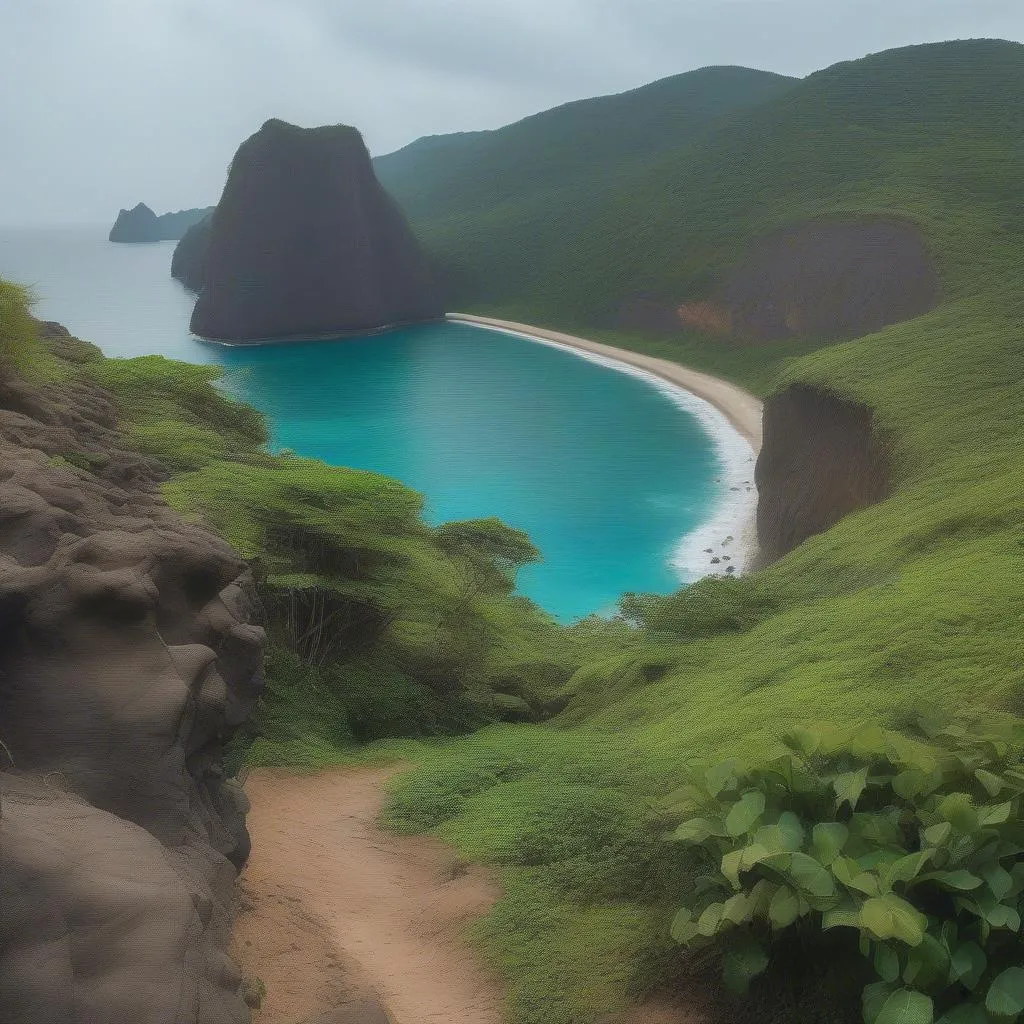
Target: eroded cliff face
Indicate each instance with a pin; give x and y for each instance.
(128, 656)
(306, 242)
(821, 459)
(824, 279)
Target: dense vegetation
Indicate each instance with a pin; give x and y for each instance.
(846, 647)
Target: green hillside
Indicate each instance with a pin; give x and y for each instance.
(908, 130)
(563, 158)
(913, 606)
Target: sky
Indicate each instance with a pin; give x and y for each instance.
(105, 103)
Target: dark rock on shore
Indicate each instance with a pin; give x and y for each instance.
(128, 656)
(306, 242)
(141, 224)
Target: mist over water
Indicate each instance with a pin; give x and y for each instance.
(606, 473)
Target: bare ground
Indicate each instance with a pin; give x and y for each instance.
(347, 923)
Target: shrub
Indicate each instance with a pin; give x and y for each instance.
(914, 844)
(707, 608)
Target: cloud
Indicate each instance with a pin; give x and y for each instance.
(106, 102)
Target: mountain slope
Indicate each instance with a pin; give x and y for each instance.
(562, 157)
(903, 131)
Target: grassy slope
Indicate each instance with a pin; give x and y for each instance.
(913, 603)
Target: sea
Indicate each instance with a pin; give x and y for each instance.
(622, 480)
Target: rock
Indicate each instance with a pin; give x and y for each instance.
(821, 460)
(141, 224)
(188, 262)
(305, 243)
(839, 279)
(128, 656)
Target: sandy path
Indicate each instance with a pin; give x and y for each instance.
(341, 911)
(742, 409)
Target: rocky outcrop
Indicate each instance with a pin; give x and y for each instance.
(141, 224)
(826, 280)
(821, 459)
(128, 655)
(305, 242)
(188, 263)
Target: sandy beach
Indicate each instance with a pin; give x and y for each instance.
(742, 409)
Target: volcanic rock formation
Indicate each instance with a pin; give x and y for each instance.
(141, 224)
(306, 242)
(127, 659)
(188, 263)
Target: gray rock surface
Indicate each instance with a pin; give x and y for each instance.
(305, 243)
(128, 655)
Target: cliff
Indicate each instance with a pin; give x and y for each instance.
(838, 279)
(141, 224)
(188, 263)
(128, 657)
(821, 459)
(306, 242)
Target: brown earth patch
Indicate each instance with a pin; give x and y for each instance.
(830, 280)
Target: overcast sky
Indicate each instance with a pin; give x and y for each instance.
(104, 103)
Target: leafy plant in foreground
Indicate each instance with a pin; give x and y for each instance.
(917, 845)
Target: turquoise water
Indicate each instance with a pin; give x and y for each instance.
(605, 472)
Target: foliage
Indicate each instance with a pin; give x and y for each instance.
(915, 845)
(176, 412)
(20, 351)
(707, 608)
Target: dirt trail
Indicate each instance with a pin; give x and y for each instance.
(347, 923)
(350, 924)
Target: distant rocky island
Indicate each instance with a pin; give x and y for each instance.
(141, 224)
(304, 242)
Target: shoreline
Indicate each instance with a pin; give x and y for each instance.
(730, 416)
(292, 339)
(740, 407)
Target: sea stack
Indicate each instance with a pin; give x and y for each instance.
(305, 242)
(139, 224)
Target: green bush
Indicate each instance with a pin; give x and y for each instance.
(713, 605)
(913, 843)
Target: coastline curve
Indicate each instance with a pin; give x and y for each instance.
(729, 415)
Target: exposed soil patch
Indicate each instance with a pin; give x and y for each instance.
(822, 459)
(833, 280)
(830, 280)
(343, 910)
(347, 923)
